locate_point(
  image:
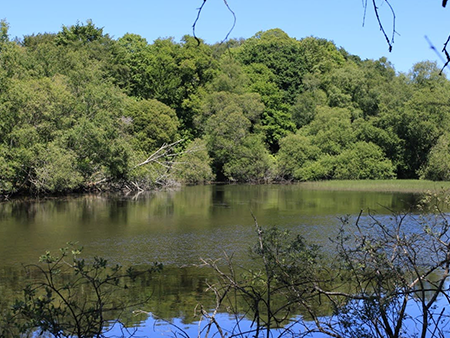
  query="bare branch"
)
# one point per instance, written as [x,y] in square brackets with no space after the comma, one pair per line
[390,41]
[163,151]
[445,51]
[234,21]
[199,11]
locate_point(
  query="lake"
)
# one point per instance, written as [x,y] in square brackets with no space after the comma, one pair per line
[176,228]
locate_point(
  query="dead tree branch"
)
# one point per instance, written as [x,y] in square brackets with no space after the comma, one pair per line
[389,40]
[199,11]
[165,151]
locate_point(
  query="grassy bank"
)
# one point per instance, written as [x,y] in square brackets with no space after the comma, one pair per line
[379,185]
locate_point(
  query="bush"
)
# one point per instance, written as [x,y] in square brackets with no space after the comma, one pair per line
[55,169]
[295,151]
[250,162]
[194,165]
[363,161]
[438,164]
[69,296]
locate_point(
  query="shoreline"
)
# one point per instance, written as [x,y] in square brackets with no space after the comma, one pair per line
[391,186]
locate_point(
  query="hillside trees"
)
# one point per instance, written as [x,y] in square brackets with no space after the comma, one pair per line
[194,165]
[329,148]
[78,108]
[237,153]
[65,126]
[167,71]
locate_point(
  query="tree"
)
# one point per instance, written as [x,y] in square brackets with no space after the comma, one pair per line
[152,123]
[169,72]
[250,162]
[423,118]
[4,37]
[364,161]
[331,130]
[231,76]
[79,33]
[388,36]
[194,165]
[437,167]
[55,170]
[224,134]
[134,54]
[281,54]
[295,151]
[276,120]
[237,152]
[303,111]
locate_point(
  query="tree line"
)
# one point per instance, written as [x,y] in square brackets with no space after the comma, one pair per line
[80,110]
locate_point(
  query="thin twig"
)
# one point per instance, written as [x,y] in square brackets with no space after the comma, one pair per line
[234,21]
[375,8]
[199,11]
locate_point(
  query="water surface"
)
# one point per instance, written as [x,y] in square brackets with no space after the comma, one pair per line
[176,228]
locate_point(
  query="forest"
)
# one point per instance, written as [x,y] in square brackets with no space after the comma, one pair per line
[82,111]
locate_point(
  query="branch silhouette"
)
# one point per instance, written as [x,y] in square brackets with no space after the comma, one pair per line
[199,11]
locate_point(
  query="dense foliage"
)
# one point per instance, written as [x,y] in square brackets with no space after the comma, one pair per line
[80,110]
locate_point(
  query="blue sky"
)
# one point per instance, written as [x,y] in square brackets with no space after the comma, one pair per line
[339,21]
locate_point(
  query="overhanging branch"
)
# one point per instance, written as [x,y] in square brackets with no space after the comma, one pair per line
[199,11]
[389,40]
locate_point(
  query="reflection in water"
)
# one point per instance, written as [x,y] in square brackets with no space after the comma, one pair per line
[175,228]
[178,227]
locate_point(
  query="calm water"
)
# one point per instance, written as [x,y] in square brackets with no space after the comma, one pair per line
[175,228]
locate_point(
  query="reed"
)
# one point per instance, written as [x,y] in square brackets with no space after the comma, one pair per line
[413,186]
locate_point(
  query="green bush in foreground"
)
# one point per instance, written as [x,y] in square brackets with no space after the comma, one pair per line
[69,296]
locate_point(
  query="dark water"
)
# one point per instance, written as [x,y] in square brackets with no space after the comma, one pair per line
[176,228]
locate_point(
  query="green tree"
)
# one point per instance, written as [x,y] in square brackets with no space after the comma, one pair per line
[79,33]
[281,54]
[249,104]
[55,170]
[295,151]
[224,134]
[231,76]
[152,123]
[303,111]
[92,44]
[331,130]
[194,165]
[437,167]
[250,162]
[169,72]
[321,55]
[134,54]
[276,121]
[423,119]
[229,122]
[363,161]
[4,36]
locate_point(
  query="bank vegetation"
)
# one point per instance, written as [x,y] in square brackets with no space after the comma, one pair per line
[81,111]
